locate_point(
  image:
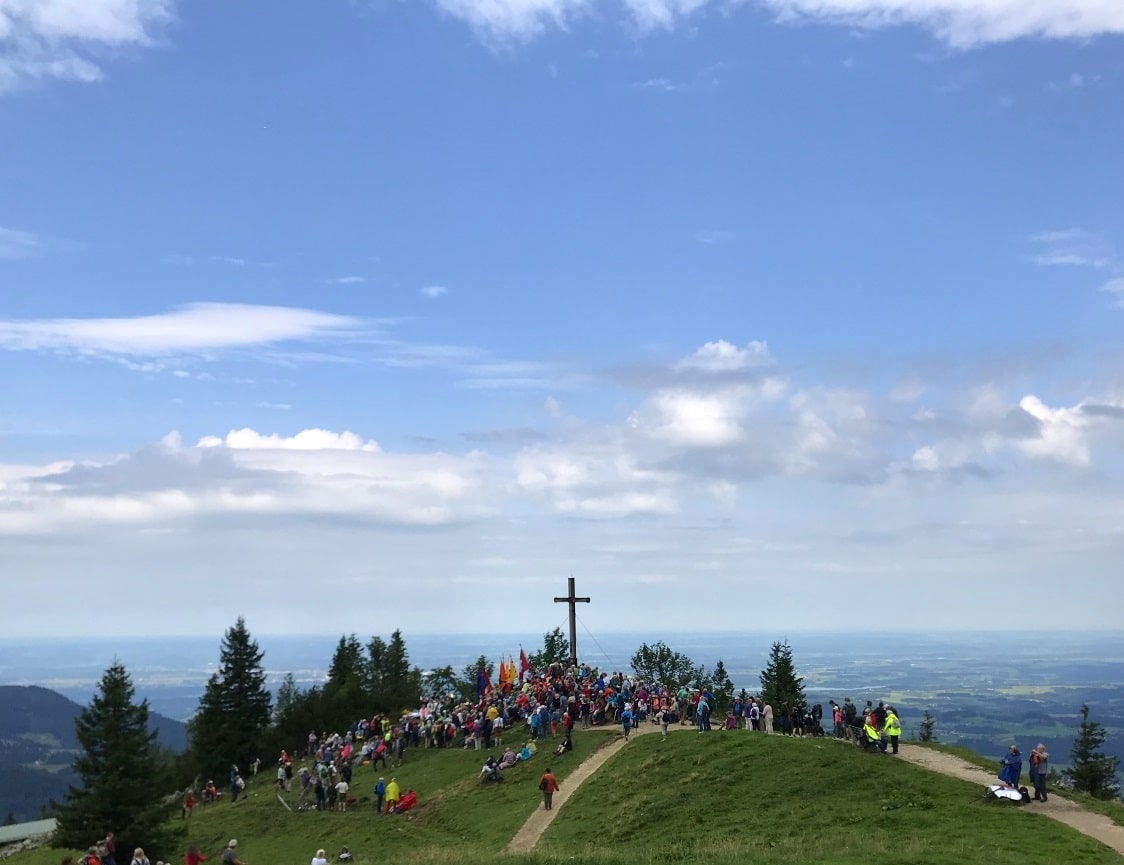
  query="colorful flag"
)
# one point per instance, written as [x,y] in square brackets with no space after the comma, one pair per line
[483,683]
[503,671]
[511,675]
[524,664]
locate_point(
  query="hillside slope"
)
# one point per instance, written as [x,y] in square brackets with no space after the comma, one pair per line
[38,745]
[724,798]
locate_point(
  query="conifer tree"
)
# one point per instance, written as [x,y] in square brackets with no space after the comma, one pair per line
[401,683]
[779,682]
[722,687]
[346,692]
[234,710]
[119,769]
[1091,770]
[926,732]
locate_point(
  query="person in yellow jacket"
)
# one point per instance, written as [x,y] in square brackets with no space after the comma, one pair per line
[892,728]
[871,737]
[393,794]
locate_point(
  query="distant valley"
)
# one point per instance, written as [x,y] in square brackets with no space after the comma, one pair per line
[38,746]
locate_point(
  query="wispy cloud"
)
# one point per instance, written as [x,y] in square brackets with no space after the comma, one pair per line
[959,23]
[1074,247]
[13,243]
[663,85]
[347,280]
[48,40]
[434,291]
[714,236]
[1115,287]
[192,329]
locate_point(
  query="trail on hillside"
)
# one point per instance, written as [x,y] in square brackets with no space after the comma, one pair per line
[1086,822]
[531,831]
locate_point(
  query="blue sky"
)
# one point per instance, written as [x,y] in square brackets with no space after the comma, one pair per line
[727,308]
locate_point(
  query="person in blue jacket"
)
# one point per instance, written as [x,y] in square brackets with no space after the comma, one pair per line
[380,795]
[626,719]
[1012,768]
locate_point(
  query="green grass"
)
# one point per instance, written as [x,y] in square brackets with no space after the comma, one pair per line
[1113,809]
[726,799]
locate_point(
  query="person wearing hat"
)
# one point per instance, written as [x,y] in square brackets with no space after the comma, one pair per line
[392,796]
[229,857]
[380,795]
[892,728]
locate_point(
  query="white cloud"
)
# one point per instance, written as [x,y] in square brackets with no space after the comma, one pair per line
[722,356]
[305,440]
[1061,436]
[347,280]
[18,244]
[61,39]
[434,291]
[698,420]
[714,236]
[1072,247]
[966,23]
[190,329]
[1115,287]
[960,23]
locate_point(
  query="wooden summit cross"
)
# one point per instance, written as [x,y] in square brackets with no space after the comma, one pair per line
[573,601]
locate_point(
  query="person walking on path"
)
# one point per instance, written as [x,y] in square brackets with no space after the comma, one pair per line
[626,719]
[767,718]
[892,728]
[1039,768]
[549,786]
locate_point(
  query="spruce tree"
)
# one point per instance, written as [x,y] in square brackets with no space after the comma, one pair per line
[779,683]
[119,769]
[345,691]
[926,732]
[722,687]
[1091,770]
[234,710]
[401,683]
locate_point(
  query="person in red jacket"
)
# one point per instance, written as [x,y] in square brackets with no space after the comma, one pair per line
[193,856]
[549,786]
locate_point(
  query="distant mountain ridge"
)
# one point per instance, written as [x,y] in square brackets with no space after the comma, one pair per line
[38,746]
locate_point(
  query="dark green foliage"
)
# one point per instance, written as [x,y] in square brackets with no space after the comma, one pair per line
[287,697]
[925,732]
[722,688]
[401,684]
[1091,770]
[659,664]
[346,691]
[234,711]
[440,683]
[10,819]
[779,683]
[555,650]
[119,771]
[466,685]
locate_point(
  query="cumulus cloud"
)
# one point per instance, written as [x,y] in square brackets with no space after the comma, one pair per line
[190,329]
[434,291]
[63,40]
[722,356]
[245,476]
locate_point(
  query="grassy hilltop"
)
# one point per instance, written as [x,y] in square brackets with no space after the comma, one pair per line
[727,798]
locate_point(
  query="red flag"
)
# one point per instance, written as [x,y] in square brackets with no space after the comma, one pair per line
[524,664]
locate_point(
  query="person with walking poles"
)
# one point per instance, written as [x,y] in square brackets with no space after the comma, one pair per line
[549,785]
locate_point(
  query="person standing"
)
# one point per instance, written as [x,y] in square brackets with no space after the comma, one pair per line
[1039,769]
[393,794]
[109,845]
[767,718]
[139,858]
[892,728]
[661,717]
[549,786]
[626,720]
[380,795]
[320,858]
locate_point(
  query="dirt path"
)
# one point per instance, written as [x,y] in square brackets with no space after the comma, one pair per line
[531,831]
[1056,808]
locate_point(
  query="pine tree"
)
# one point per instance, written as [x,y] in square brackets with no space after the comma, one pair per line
[925,732]
[234,710]
[402,684]
[346,689]
[120,773]
[779,682]
[722,687]
[1091,770]
[288,697]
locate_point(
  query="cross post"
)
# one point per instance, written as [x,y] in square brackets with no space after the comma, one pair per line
[573,601]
